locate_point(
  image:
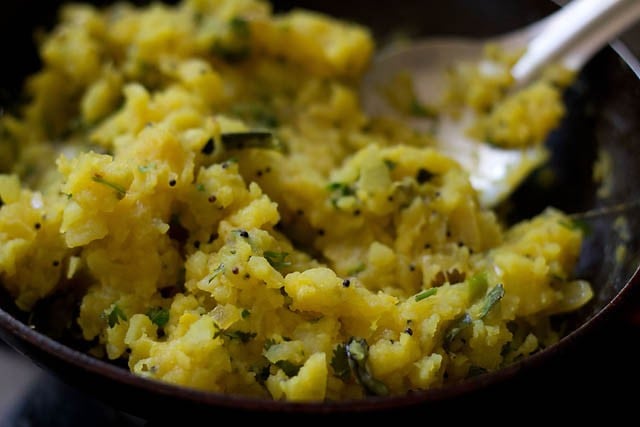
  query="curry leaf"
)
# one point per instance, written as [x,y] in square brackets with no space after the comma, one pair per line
[340,362]
[357,354]
[492,299]
[460,324]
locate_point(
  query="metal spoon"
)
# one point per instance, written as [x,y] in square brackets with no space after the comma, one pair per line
[570,36]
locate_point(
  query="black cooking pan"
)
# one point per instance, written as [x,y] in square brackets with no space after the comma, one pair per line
[604,108]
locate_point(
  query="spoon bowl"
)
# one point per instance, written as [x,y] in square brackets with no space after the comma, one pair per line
[570,37]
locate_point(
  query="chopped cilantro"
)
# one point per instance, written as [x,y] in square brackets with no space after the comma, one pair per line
[115,316]
[277,259]
[357,351]
[342,188]
[290,369]
[262,373]
[159,316]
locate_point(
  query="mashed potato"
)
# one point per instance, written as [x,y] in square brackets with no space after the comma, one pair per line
[205,176]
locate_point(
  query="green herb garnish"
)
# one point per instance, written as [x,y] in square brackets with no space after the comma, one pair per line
[460,323]
[120,191]
[357,351]
[426,294]
[262,372]
[340,362]
[251,139]
[342,188]
[277,259]
[290,369]
[245,313]
[159,316]
[242,336]
[492,299]
[115,316]
[219,269]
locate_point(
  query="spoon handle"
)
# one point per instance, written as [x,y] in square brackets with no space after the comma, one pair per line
[574,34]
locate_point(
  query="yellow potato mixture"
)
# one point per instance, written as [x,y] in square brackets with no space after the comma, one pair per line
[204,178]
